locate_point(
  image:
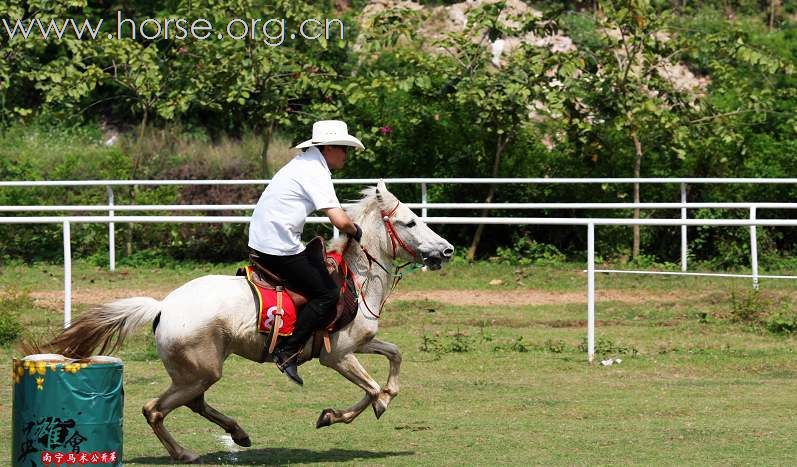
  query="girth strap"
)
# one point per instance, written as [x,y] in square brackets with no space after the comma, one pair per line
[277,321]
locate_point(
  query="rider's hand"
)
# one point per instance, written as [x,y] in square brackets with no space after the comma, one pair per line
[358,233]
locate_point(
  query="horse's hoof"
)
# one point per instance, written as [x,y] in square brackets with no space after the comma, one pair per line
[379,408]
[325,419]
[243,441]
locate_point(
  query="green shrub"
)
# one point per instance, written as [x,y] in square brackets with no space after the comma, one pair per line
[644,261]
[729,248]
[10,327]
[516,345]
[460,343]
[526,251]
[555,346]
[429,344]
[607,346]
[784,322]
[457,342]
[760,313]
[153,258]
[749,308]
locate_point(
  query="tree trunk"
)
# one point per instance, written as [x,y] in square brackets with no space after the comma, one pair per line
[499,149]
[774,6]
[3,109]
[143,124]
[264,154]
[637,174]
[129,231]
[134,190]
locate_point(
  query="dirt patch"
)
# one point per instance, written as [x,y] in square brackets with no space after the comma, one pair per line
[54,299]
[537,297]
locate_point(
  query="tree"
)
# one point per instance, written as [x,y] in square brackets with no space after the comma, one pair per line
[498,92]
[632,86]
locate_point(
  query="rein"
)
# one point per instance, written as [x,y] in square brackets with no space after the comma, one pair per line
[397,275]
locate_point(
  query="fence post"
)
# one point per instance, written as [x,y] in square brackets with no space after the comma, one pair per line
[590,292]
[424,200]
[754,248]
[67,275]
[684,247]
[111,234]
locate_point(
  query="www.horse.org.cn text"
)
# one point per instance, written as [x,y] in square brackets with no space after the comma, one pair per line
[270,31]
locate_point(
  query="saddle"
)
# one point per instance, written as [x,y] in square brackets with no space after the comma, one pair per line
[278,320]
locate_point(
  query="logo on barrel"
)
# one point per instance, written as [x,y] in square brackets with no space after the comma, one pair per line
[50,433]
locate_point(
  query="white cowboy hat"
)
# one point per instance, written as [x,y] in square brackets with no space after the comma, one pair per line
[331,132]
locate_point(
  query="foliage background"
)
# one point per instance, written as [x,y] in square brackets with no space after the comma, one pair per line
[427,98]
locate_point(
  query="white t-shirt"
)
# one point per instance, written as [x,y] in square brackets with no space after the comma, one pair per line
[302,186]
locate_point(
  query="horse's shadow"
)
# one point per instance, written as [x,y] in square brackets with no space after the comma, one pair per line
[279,456]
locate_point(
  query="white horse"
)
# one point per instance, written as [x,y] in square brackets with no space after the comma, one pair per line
[207,319]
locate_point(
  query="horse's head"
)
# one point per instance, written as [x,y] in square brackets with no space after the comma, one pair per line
[398,231]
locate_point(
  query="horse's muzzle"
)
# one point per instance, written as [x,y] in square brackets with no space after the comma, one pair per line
[435,260]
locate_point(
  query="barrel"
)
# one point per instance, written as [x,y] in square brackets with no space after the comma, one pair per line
[67,411]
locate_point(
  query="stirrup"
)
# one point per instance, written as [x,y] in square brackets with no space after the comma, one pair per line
[288,360]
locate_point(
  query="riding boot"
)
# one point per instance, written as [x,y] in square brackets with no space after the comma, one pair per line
[288,349]
[286,362]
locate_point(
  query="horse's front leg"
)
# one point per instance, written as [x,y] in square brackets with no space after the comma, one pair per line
[391,389]
[348,366]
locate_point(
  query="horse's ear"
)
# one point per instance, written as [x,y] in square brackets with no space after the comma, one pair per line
[380,189]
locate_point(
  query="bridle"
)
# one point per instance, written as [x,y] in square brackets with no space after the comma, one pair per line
[395,242]
[391,232]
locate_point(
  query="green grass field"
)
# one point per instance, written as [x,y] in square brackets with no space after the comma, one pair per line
[702,381]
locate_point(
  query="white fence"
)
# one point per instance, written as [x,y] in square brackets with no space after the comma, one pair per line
[424,204]
[590,223]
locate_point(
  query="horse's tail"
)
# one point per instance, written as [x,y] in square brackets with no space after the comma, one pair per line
[105,327]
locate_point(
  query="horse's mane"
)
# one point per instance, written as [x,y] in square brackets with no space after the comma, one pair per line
[366,214]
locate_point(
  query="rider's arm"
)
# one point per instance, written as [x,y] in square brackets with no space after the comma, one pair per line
[341,220]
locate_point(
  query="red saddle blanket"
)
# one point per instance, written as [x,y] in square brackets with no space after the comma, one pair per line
[266,307]
[266,299]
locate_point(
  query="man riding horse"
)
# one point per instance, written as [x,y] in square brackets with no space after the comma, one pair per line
[302,186]
[204,321]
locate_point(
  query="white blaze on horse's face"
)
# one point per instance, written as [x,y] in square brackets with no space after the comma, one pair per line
[423,243]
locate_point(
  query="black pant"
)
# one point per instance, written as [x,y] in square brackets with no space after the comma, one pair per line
[310,279]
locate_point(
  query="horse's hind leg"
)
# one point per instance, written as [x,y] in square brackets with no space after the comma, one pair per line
[229,425]
[193,370]
[351,369]
[391,389]
[156,410]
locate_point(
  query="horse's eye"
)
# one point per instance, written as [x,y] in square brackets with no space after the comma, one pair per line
[411,224]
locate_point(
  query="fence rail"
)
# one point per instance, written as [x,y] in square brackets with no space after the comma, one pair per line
[447,206]
[431,180]
[429,220]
